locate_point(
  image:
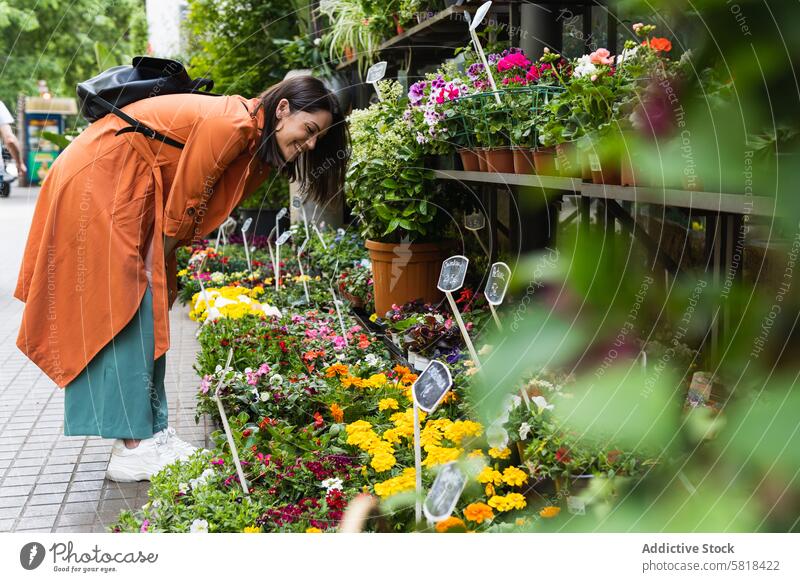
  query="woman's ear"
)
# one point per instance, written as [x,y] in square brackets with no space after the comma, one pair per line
[281,112]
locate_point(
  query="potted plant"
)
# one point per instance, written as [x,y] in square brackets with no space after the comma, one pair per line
[396,201]
[264,204]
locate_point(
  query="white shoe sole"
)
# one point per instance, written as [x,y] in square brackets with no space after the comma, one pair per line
[125,477]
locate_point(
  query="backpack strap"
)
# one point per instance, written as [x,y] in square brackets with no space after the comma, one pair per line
[135,125]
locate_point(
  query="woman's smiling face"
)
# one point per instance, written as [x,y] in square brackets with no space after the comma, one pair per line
[297,132]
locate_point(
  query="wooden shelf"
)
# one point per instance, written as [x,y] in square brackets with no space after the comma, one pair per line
[703,201]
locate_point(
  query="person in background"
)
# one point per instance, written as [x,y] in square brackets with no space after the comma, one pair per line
[8,139]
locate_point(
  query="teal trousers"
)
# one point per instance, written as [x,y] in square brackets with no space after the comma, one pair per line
[120,394]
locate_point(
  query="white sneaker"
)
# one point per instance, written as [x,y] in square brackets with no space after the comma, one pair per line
[177,448]
[139,464]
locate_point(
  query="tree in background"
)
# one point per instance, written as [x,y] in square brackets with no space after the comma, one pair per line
[65,42]
[241,44]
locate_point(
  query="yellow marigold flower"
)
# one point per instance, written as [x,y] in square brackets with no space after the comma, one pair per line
[430,437]
[392,436]
[251,529]
[500,454]
[449,397]
[406,481]
[376,381]
[358,426]
[336,412]
[478,512]
[489,475]
[514,476]
[440,456]
[373,318]
[549,511]
[313,530]
[348,381]
[489,490]
[388,404]
[462,429]
[183,272]
[383,462]
[516,500]
[451,523]
[475,454]
[507,503]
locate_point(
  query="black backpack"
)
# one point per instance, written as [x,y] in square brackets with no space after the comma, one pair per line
[147,77]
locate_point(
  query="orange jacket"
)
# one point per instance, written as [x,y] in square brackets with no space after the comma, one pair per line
[82,276]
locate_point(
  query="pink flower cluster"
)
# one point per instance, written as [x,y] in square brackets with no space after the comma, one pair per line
[601,56]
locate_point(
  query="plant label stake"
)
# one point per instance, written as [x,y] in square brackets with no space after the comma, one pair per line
[221,232]
[339,315]
[319,236]
[496,287]
[451,278]
[300,250]
[277,263]
[374,74]
[245,228]
[475,23]
[475,222]
[226,426]
[297,204]
[428,391]
[445,492]
[278,243]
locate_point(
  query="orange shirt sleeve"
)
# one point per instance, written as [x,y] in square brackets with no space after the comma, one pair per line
[212,145]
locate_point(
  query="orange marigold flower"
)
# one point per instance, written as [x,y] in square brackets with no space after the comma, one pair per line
[336,412]
[401,370]
[549,511]
[336,369]
[451,523]
[478,512]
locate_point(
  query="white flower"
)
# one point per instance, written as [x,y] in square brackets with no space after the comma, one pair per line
[217,278]
[439,318]
[540,402]
[524,431]
[485,349]
[497,436]
[264,396]
[202,479]
[183,488]
[584,67]
[627,54]
[317,41]
[332,483]
[517,400]
[371,360]
[276,380]
[269,310]
[254,392]
[199,526]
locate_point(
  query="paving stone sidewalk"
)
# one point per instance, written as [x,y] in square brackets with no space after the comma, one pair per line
[49,482]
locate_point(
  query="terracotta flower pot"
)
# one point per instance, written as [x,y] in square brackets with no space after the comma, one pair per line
[545,161]
[627,171]
[405,272]
[469,159]
[482,165]
[605,170]
[523,161]
[586,167]
[500,160]
[569,164]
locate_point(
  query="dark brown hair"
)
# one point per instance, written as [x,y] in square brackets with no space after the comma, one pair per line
[320,171]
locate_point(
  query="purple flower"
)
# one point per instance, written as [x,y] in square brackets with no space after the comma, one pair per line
[474,71]
[438,82]
[417,92]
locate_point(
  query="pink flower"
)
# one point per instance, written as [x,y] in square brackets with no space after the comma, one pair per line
[513,60]
[594,78]
[312,333]
[339,342]
[145,525]
[601,57]
[263,369]
[637,27]
[205,384]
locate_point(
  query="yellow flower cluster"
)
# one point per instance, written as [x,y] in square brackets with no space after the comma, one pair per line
[514,476]
[230,302]
[507,503]
[489,475]
[360,434]
[251,529]
[459,430]
[388,404]
[440,456]
[549,511]
[403,426]
[405,481]
[500,453]
[347,380]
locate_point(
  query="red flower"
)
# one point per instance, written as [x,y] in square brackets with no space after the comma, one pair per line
[659,44]
[562,455]
[223,342]
[247,432]
[466,296]
[319,422]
